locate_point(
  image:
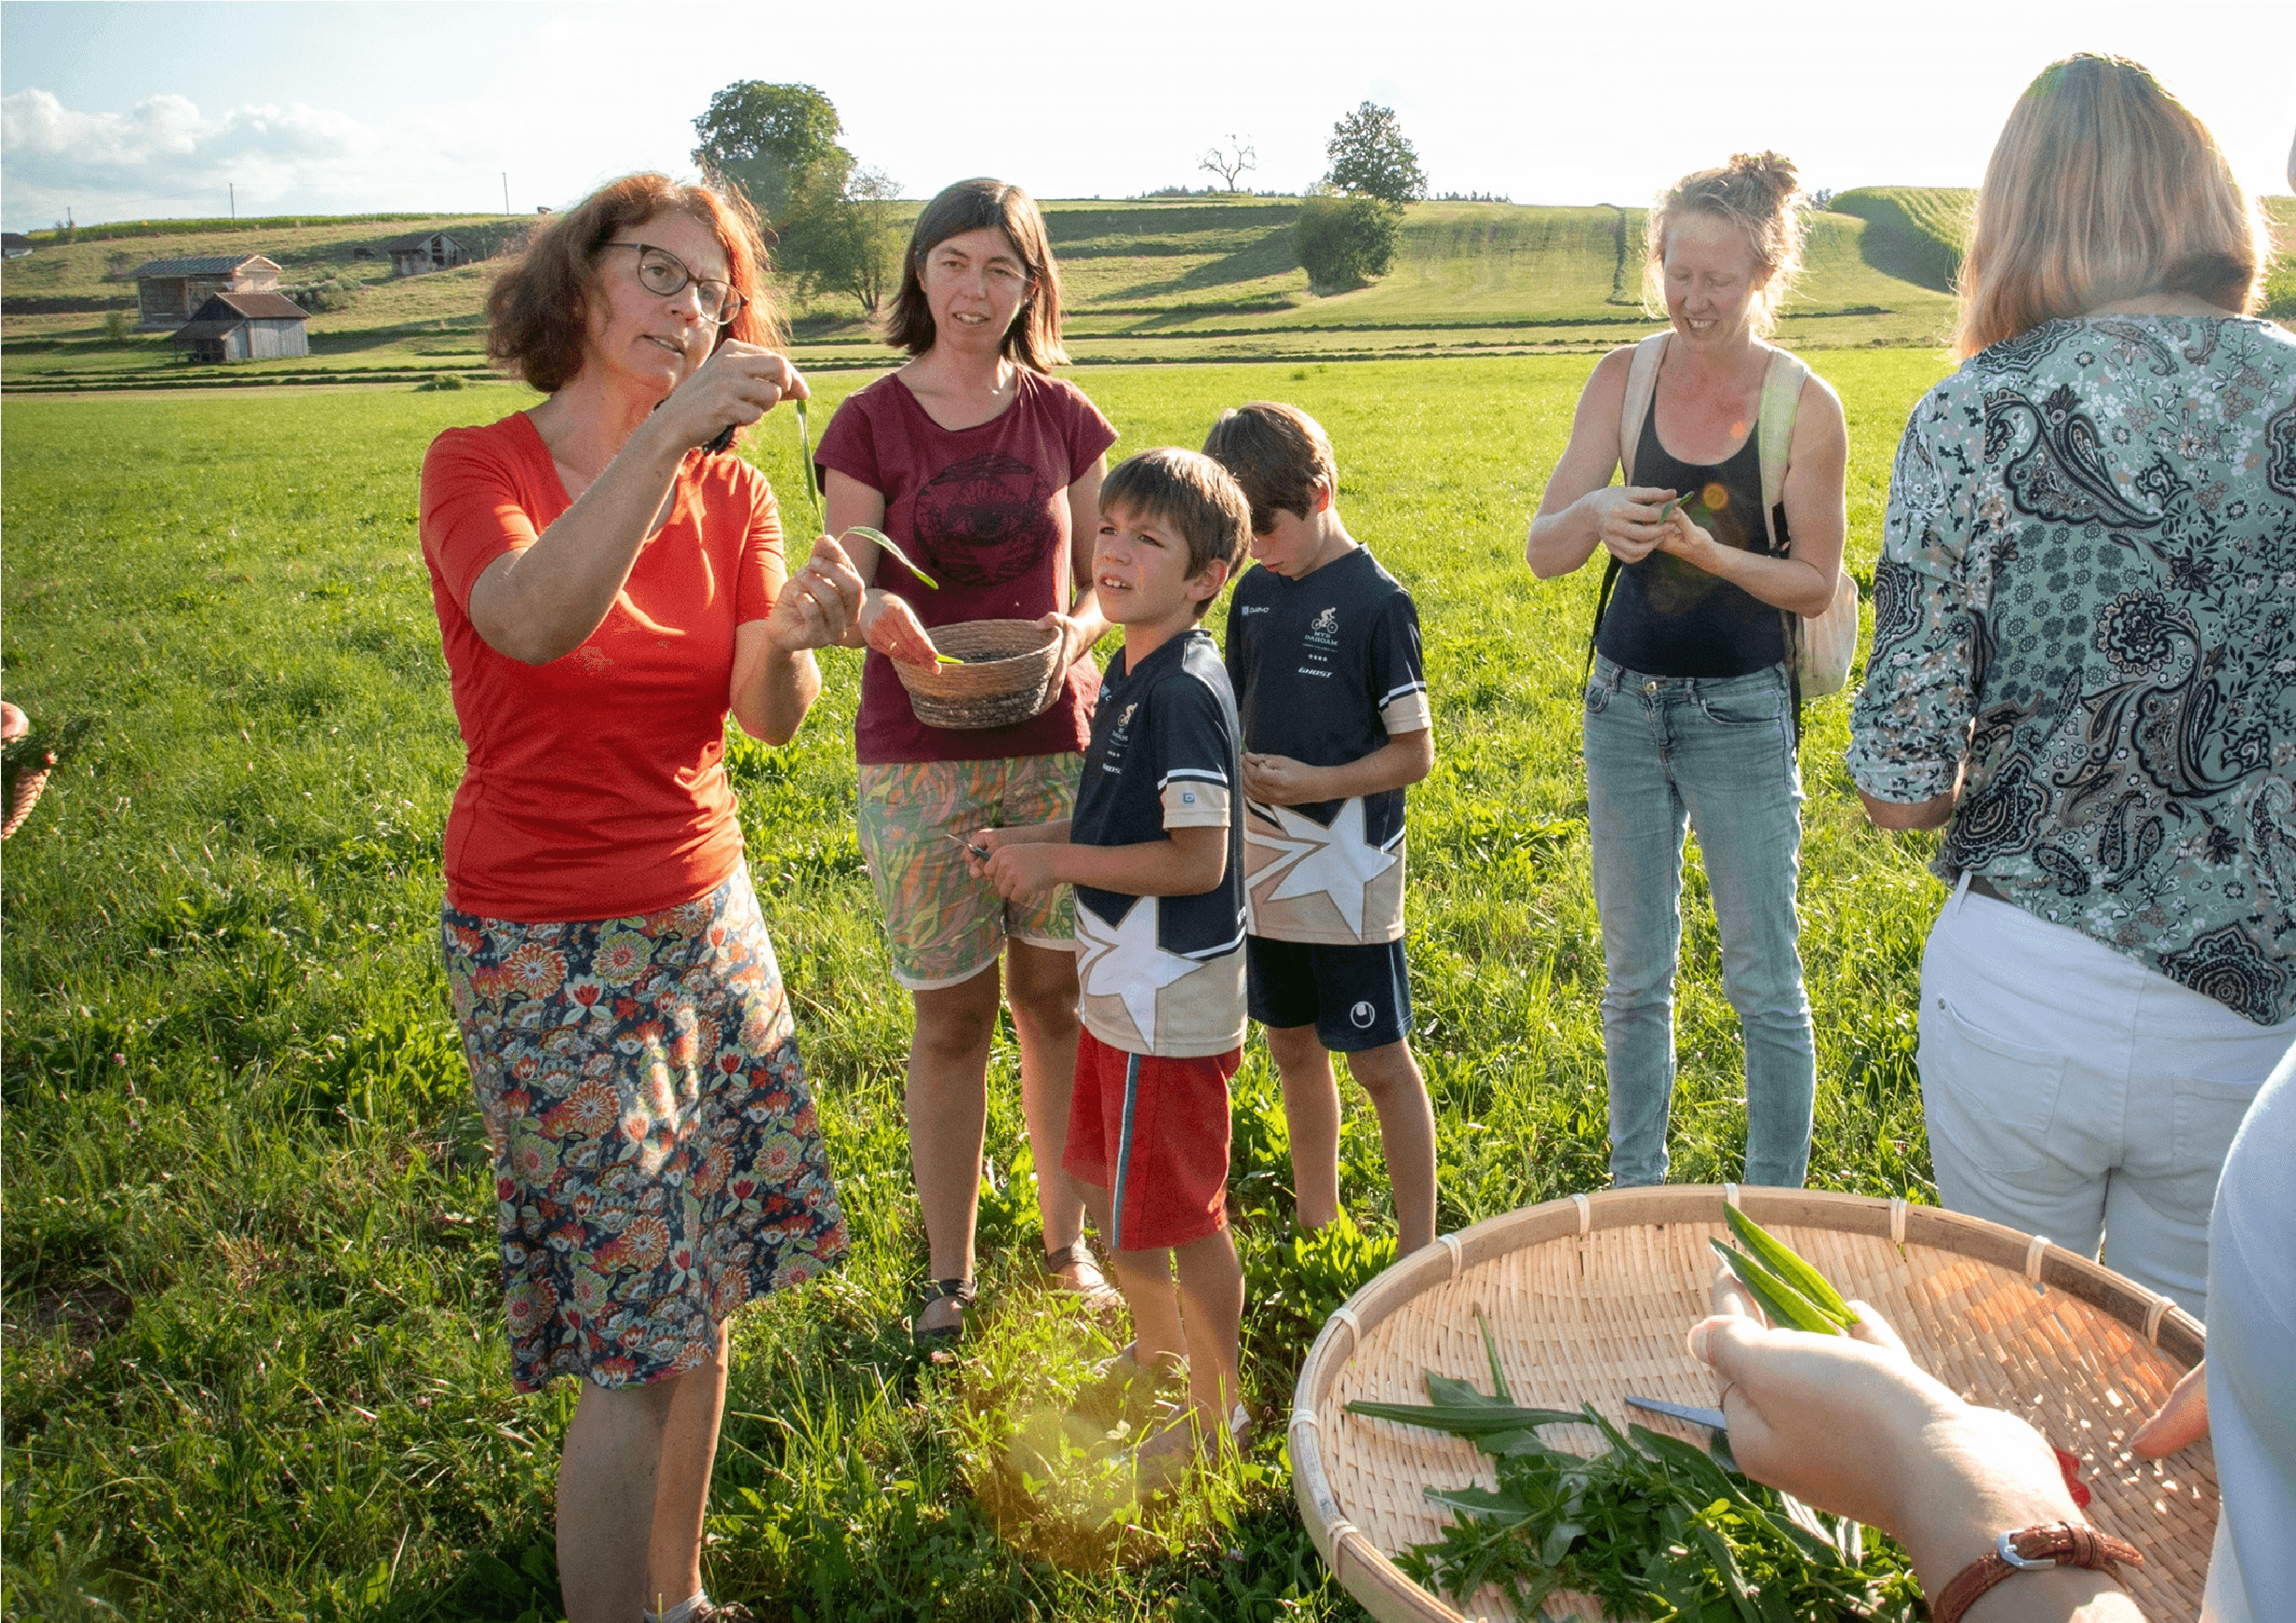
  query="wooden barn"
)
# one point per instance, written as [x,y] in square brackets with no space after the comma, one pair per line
[167,290]
[428,251]
[247,326]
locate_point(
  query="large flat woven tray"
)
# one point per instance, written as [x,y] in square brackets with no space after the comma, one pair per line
[1590,1298]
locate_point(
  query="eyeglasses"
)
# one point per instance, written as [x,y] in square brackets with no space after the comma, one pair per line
[662,272]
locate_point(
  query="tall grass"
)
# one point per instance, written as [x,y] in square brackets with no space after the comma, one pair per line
[255,1362]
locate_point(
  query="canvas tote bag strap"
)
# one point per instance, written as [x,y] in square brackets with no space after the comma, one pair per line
[1781,397]
[1642,383]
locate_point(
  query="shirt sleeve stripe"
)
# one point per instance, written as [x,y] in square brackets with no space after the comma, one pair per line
[1201,775]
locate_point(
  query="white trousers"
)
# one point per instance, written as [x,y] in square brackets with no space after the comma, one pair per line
[2071,1092]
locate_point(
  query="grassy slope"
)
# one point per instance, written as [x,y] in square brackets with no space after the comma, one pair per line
[1166,281]
[1917,233]
[253,1364]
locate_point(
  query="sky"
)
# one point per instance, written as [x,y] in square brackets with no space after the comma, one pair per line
[136,111]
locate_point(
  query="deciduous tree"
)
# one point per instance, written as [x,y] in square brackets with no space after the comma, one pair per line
[1344,241]
[1370,158]
[778,142]
[1230,163]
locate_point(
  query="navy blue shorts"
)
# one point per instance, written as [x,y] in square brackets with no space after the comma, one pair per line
[1357,998]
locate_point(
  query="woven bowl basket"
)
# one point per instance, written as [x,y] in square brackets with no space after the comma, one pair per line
[1589,1298]
[1011,673]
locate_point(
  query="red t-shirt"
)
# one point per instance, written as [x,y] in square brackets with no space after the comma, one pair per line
[595,786]
[985,511]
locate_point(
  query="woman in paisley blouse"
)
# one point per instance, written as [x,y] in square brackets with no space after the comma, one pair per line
[2083,670]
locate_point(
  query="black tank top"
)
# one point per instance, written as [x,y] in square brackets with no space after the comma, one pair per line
[1666,617]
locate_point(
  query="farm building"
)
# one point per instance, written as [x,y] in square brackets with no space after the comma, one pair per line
[13,246]
[430,251]
[167,290]
[247,326]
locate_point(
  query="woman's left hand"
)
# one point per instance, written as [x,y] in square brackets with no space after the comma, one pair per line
[1074,643]
[1693,543]
[820,603]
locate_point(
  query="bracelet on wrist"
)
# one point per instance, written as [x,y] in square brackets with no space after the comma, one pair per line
[2032,1549]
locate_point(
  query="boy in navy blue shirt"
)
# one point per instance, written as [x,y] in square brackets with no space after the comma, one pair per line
[1323,647]
[1155,853]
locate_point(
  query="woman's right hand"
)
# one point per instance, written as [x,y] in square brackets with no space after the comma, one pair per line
[889,623]
[735,386]
[1851,1424]
[1627,520]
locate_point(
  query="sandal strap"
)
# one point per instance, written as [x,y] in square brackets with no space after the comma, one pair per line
[963,1292]
[1077,1252]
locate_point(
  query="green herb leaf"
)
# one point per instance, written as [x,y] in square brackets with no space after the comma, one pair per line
[1490,1351]
[1783,1261]
[888,545]
[1482,1417]
[1780,1302]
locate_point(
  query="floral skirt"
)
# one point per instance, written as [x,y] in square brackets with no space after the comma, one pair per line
[656,1158]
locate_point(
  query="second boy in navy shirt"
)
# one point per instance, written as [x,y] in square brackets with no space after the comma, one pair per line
[1322,646]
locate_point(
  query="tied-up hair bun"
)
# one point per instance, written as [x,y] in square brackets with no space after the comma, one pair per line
[1760,194]
[1771,172]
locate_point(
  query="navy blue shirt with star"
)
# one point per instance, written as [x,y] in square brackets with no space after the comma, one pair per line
[1328,669]
[1162,975]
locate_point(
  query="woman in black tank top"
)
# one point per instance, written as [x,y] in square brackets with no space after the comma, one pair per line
[1688,706]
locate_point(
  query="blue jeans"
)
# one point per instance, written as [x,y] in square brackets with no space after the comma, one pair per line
[1717,754]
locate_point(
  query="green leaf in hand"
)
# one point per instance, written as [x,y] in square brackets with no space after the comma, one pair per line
[1780,1302]
[1782,1260]
[887,544]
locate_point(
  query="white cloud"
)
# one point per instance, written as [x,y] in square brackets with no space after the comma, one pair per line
[166,156]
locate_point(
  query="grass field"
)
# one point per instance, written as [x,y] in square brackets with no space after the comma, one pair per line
[253,1351]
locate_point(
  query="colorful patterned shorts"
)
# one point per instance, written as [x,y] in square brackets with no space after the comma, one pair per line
[656,1159]
[945,925]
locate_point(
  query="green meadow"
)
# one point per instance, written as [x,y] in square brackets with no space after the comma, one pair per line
[253,1351]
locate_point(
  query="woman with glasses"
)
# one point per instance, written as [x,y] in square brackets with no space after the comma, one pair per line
[987,472]
[607,592]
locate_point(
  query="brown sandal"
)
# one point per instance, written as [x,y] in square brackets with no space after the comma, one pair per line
[1075,1270]
[936,1342]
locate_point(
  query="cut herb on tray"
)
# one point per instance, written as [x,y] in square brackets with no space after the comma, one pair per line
[1652,1527]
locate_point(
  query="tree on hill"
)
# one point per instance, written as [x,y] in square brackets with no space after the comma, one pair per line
[1230,161]
[1370,158]
[1344,241]
[836,224]
[775,141]
[849,243]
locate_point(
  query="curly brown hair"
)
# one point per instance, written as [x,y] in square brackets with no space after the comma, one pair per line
[984,204]
[538,313]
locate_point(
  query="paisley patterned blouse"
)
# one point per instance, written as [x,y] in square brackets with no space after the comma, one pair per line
[2087,590]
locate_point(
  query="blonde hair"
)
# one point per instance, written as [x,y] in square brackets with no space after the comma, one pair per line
[2104,187]
[1756,192]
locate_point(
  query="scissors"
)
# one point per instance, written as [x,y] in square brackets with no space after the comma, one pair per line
[1713,1419]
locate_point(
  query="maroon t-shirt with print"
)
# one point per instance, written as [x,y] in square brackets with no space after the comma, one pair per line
[985,511]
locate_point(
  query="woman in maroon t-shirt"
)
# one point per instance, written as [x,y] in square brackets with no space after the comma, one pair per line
[987,472]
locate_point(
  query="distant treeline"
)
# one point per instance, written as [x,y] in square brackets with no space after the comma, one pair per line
[125,228]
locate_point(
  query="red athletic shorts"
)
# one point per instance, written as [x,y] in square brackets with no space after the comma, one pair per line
[1154,1133]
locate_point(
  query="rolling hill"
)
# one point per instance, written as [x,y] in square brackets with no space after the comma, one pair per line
[1145,280]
